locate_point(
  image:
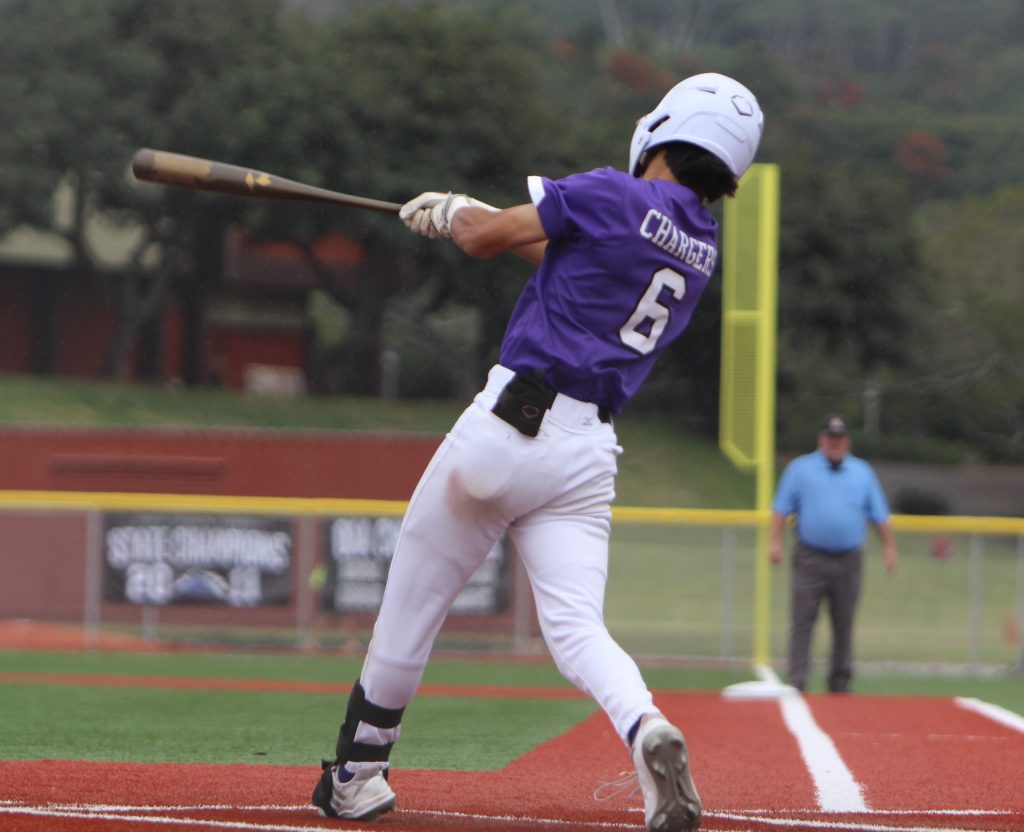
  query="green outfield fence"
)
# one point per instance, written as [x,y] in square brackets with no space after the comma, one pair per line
[681,585]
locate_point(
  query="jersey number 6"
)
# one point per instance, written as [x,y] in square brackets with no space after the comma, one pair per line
[644,327]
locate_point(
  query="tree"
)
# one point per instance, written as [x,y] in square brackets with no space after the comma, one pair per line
[972,365]
[850,289]
[85,85]
[410,98]
[387,101]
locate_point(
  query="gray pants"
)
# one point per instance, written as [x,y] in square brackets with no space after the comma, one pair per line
[821,576]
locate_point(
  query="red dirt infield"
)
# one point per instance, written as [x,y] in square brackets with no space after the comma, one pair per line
[919,764]
[29,634]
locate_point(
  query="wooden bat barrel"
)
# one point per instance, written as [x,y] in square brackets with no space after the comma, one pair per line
[207,175]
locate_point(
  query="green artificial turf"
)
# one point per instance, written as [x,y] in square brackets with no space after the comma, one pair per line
[108,722]
[42,720]
[214,664]
[340,669]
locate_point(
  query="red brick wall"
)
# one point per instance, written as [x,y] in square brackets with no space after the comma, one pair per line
[43,552]
[239,463]
[42,559]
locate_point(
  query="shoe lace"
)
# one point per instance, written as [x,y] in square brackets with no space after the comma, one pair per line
[614,788]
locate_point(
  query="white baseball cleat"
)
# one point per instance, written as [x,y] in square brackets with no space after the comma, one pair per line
[364,795]
[671,802]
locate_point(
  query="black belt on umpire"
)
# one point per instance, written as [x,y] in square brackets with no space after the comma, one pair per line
[817,550]
[524,401]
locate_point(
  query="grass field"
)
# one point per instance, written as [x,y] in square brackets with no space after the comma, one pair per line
[74,720]
[674,591]
[124,706]
[35,400]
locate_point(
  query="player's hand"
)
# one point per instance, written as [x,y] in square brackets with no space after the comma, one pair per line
[430,214]
[416,214]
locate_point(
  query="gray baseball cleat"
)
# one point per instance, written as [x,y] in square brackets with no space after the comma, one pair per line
[671,802]
[362,795]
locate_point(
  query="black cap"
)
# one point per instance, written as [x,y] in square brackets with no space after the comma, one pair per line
[835,425]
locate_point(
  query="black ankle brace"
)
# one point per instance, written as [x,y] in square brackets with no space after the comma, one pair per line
[360,709]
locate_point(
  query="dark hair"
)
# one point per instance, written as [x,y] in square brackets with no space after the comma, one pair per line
[699,169]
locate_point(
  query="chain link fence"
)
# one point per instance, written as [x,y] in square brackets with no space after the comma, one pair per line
[308,574]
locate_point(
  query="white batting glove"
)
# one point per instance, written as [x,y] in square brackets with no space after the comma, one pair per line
[416,214]
[430,214]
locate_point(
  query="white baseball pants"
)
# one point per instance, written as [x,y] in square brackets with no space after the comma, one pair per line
[552,494]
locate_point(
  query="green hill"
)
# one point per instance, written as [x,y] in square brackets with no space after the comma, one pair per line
[661,466]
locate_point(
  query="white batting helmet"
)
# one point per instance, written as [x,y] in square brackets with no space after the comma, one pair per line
[709,110]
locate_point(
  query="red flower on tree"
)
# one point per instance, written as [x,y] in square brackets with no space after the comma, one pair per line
[923,154]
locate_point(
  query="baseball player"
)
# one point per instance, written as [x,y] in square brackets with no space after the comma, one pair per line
[622,260]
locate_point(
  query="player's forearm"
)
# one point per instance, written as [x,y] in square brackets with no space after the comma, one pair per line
[484,234]
[532,252]
[473,230]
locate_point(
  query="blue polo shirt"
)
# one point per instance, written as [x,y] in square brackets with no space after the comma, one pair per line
[832,507]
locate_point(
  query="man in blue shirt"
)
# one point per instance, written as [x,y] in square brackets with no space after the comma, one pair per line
[834,495]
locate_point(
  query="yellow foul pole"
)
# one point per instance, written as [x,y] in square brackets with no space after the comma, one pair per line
[749,326]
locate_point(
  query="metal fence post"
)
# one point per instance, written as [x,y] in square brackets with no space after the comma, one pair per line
[1020,599]
[305,529]
[977,555]
[92,601]
[728,645]
[150,622]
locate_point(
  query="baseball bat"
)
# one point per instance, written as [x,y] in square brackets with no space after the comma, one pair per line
[207,175]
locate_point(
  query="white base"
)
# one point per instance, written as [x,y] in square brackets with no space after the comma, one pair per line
[759,690]
[767,686]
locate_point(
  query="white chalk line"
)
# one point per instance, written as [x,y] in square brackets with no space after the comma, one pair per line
[893,812]
[834,783]
[137,819]
[141,807]
[900,735]
[298,807]
[760,817]
[851,826]
[836,788]
[993,712]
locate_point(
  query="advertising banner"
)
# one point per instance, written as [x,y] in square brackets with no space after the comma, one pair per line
[359,551]
[161,559]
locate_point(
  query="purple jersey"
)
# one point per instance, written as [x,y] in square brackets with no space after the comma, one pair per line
[626,264]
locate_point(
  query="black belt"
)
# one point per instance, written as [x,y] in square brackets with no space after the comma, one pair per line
[830,552]
[524,401]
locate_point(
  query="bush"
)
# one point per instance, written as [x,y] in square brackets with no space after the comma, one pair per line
[919,501]
[906,448]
